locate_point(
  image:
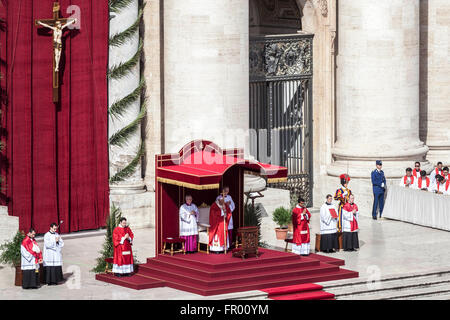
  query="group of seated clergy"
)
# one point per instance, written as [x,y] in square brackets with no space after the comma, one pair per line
[438,181]
[220,221]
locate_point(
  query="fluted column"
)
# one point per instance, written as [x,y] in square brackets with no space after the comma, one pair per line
[435,79]
[120,87]
[377,114]
[206,80]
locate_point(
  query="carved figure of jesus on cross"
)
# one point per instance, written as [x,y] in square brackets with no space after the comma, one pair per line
[56,24]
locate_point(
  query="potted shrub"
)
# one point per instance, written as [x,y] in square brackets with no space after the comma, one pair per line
[10,254]
[283,218]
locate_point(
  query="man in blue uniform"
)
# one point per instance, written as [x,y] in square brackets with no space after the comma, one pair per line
[379,187]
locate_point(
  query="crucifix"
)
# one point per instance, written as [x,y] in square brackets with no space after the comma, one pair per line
[56,24]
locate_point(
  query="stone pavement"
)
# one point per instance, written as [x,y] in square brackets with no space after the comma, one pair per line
[387,248]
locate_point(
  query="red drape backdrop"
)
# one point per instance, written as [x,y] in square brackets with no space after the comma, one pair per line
[57,155]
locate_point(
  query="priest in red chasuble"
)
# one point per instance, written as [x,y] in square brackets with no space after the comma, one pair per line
[219,218]
[123,254]
[300,223]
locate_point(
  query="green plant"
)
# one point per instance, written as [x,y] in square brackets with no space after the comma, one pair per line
[11,250]
[282,217]
[253,217]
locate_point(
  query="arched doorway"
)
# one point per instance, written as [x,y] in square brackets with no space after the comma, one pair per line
[281,91]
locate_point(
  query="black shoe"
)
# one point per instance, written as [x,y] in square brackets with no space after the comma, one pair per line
[118,275]
[374,218]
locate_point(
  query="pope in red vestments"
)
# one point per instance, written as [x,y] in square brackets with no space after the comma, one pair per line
[219,225]
[300,223]
[123,253]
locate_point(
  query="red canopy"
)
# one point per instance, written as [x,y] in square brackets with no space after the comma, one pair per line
[200,169]
[203,169]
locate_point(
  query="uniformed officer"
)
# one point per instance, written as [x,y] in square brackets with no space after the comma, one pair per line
[379,187]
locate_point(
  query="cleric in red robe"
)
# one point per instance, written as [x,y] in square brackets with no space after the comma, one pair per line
[123,254]
[219,225]
[300,223]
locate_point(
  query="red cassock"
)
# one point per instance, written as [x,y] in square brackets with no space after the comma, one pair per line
[27,243]
[216,222]
[300,226]
[123,254]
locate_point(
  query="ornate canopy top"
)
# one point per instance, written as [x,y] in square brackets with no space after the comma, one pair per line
[201,164]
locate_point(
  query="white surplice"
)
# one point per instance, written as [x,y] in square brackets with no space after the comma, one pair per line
[411,180]
[52,250]
[188,221]
[328,224]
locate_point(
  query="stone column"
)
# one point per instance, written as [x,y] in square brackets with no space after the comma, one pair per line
[377,112]
[206,79]
[129,195]
[377,95]
[152,72]
[121,156]
[435,79]
[9,225]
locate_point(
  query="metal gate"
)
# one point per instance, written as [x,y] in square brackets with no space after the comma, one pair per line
[281,107]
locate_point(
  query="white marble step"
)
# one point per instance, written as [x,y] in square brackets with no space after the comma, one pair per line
[442,296]
[391,289]
[413,293]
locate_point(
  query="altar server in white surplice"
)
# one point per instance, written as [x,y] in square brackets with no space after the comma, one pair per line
[439,185]
[229,201]
[350,212]
[436,171]
[188,224]
[53,243]
[328,226]
[31,257]
[416,171]
[423,182]
[408,181]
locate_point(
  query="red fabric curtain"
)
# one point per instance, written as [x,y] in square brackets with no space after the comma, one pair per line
[57,154]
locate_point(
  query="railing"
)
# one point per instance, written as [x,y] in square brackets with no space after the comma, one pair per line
[281,107]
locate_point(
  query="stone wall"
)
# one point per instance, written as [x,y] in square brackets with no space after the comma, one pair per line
[8,225]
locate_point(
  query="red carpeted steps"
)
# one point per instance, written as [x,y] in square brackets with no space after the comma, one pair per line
[308,291]
[327,259]
[136,281]
[213,274]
